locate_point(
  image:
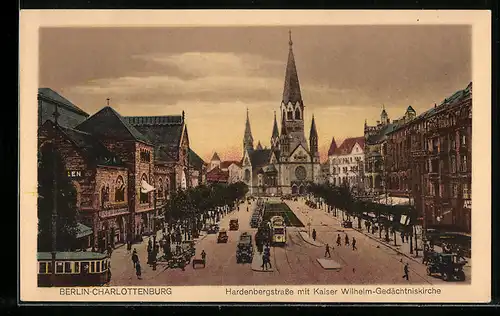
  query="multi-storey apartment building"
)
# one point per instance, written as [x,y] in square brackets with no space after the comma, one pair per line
[429,161]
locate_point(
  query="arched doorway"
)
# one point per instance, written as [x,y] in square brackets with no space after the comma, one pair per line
[301,189]
[294,189]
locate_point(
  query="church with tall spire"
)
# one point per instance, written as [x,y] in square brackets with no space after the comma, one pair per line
[291,163]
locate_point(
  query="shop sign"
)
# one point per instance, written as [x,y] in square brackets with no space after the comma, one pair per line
[75,174]
[113,212]
[467,204]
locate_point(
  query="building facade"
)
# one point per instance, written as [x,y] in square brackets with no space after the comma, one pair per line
[346,162]
[291,163]
[430,162]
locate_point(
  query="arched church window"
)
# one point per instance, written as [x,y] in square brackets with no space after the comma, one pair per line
[119,190]
[289,115]
[297,114]
[247,175]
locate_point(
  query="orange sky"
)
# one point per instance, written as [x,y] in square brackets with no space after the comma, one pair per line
[214,74]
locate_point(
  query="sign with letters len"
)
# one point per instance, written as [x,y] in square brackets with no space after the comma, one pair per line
[75,174]
[467,204]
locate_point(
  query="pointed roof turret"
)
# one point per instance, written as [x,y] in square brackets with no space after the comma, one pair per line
[259,146]
[215,157]
[275,127]
[283,126]
[248,130]
[313,132]
[291,90]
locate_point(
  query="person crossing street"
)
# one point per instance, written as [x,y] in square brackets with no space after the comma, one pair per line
[346,240]
[339,240]
[327,251]
[354,244]
[406,271]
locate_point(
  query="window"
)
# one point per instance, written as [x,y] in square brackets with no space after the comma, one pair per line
[247,175]
[67,267]
[104,195]
[144,197]
[49,267]
[466,194]
[59,267]
[77,267]
[289,115]
[464,164]
[160,188]
[464,139]
[104,265]
[453,164]
[297,114]
[119,190]
[42,267]
[455,190]
[92,267]
[98,266]
[145,156]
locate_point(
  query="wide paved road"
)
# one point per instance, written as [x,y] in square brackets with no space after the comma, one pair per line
[293,264]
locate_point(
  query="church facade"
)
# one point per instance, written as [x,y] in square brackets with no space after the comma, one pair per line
[292,162]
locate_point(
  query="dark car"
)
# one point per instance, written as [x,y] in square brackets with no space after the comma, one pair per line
[222,237]
[233,224]
[213,229]
[244,250]
[347,224]
[449,266]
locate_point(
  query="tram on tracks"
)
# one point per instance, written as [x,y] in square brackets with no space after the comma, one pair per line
[74,269]
[278,231]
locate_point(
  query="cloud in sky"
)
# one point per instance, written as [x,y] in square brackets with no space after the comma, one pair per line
[346,73]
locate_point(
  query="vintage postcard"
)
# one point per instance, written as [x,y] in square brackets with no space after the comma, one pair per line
[255,156]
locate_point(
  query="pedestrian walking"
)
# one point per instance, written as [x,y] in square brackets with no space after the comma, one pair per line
[203,256]
[314,234]
[138,270]
[406,271]
[135,257]
[346,240]
[339,240]
[264,261]
[354,244]
[129,246]
[327,251]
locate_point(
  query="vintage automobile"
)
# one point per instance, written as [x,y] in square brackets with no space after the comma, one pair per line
[222,237]
[213,229]
[450,266]
[233,224]
[244,250]
[347,224]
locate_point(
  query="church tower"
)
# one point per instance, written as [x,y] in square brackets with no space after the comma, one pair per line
[275,135]
[313,142]
[384,118]
[247,138]
[284,141]
[292,107]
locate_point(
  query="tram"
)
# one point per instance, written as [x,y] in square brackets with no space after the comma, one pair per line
[278,230]
[74,269]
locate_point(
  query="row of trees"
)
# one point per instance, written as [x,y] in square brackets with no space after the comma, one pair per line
[387,217]
[190,207]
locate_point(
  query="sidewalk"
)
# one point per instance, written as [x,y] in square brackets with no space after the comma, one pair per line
[309,240]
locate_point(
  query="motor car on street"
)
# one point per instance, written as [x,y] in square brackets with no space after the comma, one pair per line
[233,224]
[449,266]
[222,237]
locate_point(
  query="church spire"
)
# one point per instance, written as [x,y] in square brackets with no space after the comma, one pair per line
[313,132]
[313,141]
[275,127]
[291,90]
[247,138]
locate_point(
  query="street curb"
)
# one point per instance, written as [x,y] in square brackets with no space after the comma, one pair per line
[307,241]
[396,250]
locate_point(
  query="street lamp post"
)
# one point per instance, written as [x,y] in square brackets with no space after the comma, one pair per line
[54,196]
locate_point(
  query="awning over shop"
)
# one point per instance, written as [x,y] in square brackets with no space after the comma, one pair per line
[83,231]
[392,200]
[146,187]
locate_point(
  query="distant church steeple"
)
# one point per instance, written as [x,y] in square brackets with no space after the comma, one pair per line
[313,139]
[275,135]
[247,138]
[291,90]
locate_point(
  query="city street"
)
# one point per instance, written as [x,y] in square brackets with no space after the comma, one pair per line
[371,263]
